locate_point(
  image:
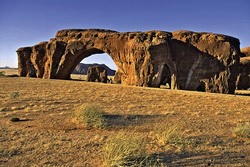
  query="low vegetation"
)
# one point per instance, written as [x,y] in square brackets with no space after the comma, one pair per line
[14,95]
[131,149]
[165,134]
[90,116]
[133,127]
[128,149]
[243,130]
[2,73]
[124,149]
[15,119]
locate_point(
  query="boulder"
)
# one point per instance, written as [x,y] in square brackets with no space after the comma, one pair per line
[183,59]
[97,74]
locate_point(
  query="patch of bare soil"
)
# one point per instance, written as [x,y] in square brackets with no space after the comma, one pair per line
[46,135]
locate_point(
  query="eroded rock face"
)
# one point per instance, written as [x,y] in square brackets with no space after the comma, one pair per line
[243,80]
[219,59]
[97,74]
[183,59]
[118,77]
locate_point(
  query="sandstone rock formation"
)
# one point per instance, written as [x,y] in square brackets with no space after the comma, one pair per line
[183,59]
[246,51]
[118,77]
[97,74]
[243,80]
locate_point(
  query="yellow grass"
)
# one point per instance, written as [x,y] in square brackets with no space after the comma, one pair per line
[90,116]
[46,135]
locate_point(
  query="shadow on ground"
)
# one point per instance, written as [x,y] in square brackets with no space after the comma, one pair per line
[128,120]
[203,159]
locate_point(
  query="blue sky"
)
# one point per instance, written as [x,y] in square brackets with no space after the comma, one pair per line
[28,22]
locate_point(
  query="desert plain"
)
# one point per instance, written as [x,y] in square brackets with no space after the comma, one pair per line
[47,136]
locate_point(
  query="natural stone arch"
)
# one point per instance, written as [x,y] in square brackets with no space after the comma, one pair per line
[128,51]
[141,57]
[71,59]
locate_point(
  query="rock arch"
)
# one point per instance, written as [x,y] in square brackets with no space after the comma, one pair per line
[143,58]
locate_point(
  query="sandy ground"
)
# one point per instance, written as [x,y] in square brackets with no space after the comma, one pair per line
[9,71]
[48,137]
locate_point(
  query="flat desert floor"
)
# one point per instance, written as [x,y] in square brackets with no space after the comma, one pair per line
[47,136]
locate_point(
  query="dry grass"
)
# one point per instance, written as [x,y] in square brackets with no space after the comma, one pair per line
[129,149]
[169,135]
[90,116]
[48,137]
[124,149]
[243,130]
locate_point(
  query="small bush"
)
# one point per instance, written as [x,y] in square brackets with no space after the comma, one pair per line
[164,135]
[2,73]
[14,95]
[124,150]
[15,119]
[90,116]
[243,130]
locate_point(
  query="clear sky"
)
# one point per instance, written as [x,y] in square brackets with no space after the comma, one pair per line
[28,22]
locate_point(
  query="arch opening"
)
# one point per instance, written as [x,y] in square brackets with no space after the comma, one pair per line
[201,87]
[90,59]
[166,77]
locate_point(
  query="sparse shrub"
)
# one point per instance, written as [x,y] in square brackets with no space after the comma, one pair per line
[2,73]
[15,119]
[164,135]
[124,149]
[14,95]
[243,130]
[90,116]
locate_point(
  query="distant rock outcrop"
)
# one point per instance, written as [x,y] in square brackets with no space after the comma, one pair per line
[97,74]
[183,59]
[82,68]
[6,67]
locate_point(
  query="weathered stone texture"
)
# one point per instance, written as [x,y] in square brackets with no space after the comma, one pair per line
[183,59]
[243,80]
[25,66]
[225,49]
[97,74]
[118,77]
